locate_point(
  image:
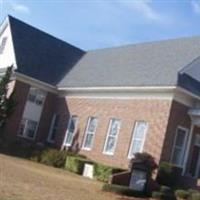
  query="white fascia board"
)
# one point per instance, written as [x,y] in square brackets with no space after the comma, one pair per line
[4,25]
[120,88]
[185,97]
[119,92]
[35,83]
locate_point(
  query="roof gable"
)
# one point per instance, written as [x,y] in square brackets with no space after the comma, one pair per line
[41,55]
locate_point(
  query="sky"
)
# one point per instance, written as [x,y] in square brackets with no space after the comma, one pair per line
[93,24]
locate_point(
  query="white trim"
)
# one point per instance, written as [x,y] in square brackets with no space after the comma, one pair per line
[161,93]
[108,134]
[4,25]
[183,150]
[35,83]
[133,135]
[67,131]
[91,133]
[15,64]
[106,88]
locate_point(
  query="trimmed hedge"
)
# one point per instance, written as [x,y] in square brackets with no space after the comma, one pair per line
[76,164]
[163,196]
[183,194]
[101,172]
[165,189]
[195,196]
[122,190]
[168,174]
[53,157]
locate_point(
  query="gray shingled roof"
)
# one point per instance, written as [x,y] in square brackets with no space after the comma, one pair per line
[40,55]
[147,64]
[44,57]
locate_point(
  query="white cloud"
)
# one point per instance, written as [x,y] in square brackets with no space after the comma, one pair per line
[196,6]
[143,7]
[18,7]
[21,8]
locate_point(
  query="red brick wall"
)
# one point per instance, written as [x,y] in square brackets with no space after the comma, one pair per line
[178,117]
[21,92]
[155,112]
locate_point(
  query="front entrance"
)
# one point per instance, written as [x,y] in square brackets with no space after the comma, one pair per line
[195,161]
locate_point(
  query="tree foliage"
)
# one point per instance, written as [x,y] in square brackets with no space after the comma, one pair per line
[7,103]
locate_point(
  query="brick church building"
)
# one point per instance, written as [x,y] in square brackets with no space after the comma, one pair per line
[107,103]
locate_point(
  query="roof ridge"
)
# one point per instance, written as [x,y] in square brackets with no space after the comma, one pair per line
[147,43]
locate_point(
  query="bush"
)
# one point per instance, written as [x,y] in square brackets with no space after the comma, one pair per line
[165,189]
[195,196]
[163,196]
[53,157]
[103,172]
[157,195]
[122,190]
[192,191]
[144,159]
[76,164]
[168,174]
[182,194]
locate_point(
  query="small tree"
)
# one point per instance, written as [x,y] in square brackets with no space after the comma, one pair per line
[145,160]
[7,103]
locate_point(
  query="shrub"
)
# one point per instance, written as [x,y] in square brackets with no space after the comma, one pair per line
[182,194]
[157,195]
[76,164]
[163,196]
[53,157]
[168,174]
[103,172]
[195,196]
[144,159]
[165,189]
[192,191]
[122,190]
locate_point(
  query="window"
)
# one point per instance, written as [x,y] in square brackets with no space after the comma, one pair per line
[70,130]
[36,96]
[89,133]
[138,138]
[111,138]
[179,146]
[28,128]
[53,128]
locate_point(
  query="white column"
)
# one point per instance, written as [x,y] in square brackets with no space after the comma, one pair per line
[187,151]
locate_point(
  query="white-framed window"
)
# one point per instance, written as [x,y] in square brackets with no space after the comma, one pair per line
[138,138]
[53,128]
[28,128]
[179,146]
[89,133]
[36,96]
[71,129]
[111,138]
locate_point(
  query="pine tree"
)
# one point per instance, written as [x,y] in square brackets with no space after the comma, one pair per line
[7,104]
